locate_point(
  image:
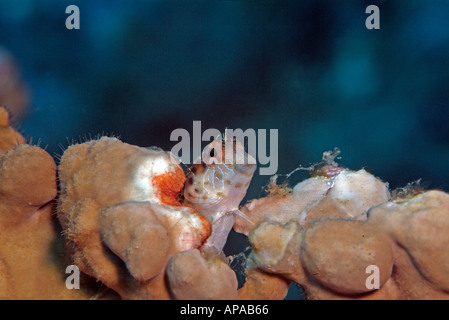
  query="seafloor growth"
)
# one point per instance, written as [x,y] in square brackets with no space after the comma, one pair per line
[9,137]
[121,219]
[13,92]
[32,262]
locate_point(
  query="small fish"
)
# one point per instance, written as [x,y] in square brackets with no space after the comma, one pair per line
[217,183]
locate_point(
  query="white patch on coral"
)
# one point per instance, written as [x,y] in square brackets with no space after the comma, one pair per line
[160,166]
[154,163]
[358,191]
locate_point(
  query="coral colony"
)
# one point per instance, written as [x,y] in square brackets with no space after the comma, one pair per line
[114,220]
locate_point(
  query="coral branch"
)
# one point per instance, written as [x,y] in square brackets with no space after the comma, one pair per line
[125,225]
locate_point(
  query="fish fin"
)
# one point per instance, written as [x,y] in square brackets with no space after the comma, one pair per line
[243,216]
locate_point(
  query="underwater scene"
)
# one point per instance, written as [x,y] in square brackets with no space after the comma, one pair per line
[224,150]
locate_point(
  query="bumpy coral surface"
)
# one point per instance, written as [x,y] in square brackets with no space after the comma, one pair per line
[120,218]
[119,209]
[32,264]
[329,240]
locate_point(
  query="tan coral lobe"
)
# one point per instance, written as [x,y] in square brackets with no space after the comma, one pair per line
[197,276]
[118,203]
[352,227]
[139,239]
[32,255]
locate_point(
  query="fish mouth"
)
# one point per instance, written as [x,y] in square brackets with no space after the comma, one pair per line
[199,199]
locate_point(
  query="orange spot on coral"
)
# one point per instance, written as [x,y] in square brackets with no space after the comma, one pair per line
[169,185]
[168,188]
